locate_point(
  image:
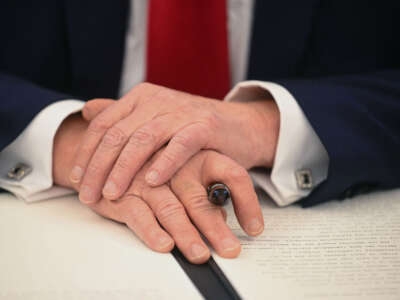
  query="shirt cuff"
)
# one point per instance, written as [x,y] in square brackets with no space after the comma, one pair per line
[299,150]
[34,149]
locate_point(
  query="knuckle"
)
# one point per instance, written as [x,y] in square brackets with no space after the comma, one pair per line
[98,125]
[139,213]
[138,187]
[201,131]
[183,141]
[210,119]
[166,94]
[114,137]
[141,188]
[168,210]
[204,131]
[199,203]
[141,137]
[94,169]
[130,207]
[86,151]
[144,85]
[122,163]
[237,173]
[146,91]
[169,157]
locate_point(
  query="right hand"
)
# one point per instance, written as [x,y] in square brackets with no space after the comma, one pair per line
[125,135]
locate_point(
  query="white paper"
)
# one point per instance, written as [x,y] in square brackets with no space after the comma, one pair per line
[60,249]
[338,250]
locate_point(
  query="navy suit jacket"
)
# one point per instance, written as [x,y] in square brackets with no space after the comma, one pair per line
[340,59]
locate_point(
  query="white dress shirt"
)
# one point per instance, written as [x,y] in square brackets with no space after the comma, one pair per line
[299,148]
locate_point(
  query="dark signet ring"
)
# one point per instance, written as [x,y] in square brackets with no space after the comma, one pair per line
[218,194]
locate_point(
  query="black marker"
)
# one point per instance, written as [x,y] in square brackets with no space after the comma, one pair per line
[218,194]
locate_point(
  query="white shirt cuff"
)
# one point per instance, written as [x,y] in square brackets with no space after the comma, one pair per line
[299,148]
[34,148]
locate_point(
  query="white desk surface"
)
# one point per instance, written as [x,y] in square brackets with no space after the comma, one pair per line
[60,249]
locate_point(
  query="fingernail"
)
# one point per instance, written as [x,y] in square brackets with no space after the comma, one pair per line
[110,189]
[198,251]
[86,195]
[164,242]
[254,227]
[229,244]
[152,177]
[76,174]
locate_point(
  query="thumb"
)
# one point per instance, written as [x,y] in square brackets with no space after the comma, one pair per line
[93,107]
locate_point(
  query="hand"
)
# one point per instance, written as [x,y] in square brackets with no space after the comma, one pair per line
[177,206]
[183,204]
[67,139]
[127,133]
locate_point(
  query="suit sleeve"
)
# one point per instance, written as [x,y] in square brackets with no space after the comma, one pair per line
[357,118]
[30,117]
[20,102]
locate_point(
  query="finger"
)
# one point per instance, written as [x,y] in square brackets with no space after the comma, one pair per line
[180,149]
[109,149]
[137,215]
[100,164]
[99,126]
[94,134]
[220,168]
[140,147]
[209,218]
[142,144]
[94,107]
[172,216]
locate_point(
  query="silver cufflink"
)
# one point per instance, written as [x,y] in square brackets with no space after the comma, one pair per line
[19,172]
[304,179]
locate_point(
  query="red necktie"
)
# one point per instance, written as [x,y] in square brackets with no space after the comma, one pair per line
[187,46]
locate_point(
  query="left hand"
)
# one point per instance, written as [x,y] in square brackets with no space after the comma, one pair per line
[178,212]
[127,133]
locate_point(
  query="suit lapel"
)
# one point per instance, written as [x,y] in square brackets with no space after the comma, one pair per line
[281,32]
[96,37]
